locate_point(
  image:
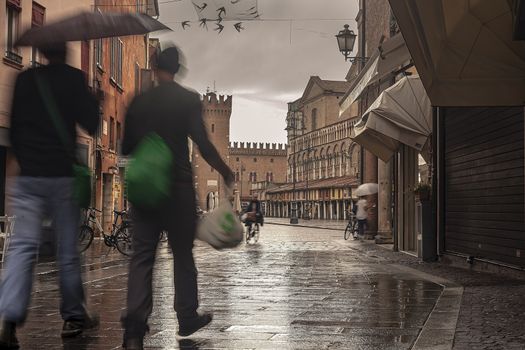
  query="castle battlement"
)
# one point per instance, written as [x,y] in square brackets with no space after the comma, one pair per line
[212,100]
[254,148]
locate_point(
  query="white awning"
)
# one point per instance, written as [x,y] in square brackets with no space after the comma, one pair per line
[388,58]
[463,50]
[402,114]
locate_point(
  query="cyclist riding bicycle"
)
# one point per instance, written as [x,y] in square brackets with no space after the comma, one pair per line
[253,213]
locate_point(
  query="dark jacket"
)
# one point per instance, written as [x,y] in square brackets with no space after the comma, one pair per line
[254,206]
[174,113]
[35,141]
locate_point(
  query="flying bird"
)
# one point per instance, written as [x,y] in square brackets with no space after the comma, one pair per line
[201,8]
[238,26]
[203,23]
[219,28]
[221,11]
[185,24]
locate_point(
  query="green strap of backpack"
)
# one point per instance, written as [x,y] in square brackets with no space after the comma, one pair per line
[81,173]
[149,173]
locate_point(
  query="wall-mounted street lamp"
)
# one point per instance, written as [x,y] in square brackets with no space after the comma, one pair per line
[346,41]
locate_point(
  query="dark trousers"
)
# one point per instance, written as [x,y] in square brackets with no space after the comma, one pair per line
[178,217]
[361,227]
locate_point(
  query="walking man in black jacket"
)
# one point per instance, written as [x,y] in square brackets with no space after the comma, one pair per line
[174,113]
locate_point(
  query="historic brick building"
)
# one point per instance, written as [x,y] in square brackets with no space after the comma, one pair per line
[323,163]
[250,163]
[208,182]
[255,164]
[118,64]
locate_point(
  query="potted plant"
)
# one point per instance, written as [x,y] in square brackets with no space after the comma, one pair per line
[423,191]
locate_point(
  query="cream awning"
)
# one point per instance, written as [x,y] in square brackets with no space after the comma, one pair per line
[388,58]
[463,51]
[402,114]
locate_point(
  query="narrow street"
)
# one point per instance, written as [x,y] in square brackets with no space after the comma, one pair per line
[298,288]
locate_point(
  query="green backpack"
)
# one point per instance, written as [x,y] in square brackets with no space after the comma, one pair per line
[149,173]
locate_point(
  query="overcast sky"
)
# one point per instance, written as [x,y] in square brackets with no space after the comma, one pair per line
[263,66]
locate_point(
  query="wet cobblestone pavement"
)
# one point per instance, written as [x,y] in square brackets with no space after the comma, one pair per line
[298,288]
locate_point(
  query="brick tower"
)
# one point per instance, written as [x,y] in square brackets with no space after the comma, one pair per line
[209,184]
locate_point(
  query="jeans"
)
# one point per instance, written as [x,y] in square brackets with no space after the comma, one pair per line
[179,218]
[31,198]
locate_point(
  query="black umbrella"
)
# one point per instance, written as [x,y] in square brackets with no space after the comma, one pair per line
[90,25]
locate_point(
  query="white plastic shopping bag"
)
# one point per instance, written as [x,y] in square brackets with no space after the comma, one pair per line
[221,228]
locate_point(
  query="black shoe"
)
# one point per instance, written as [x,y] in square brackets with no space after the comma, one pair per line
[8,335]
[133,344]
[189,326]
[72,328]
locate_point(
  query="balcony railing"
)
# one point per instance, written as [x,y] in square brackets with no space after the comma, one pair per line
[13,56]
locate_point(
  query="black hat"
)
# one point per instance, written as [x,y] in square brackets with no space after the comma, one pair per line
[168,60]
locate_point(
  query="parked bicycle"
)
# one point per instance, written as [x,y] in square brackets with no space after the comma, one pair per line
[119,238]
[352,227]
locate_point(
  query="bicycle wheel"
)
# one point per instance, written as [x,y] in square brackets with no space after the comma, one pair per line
[123,240]
[256,231]
[348,230]
[355,230]
[85,237]
[248,231]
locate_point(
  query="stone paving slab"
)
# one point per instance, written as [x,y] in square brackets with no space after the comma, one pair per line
[298,288]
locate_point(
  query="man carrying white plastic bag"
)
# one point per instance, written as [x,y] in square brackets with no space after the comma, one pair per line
[167,114]
[221,228]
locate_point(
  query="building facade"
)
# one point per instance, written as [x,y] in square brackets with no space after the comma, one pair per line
[255,164]
[209,184]
[15,17]
[118,65]
[323,163]
[250,162]
[478,172]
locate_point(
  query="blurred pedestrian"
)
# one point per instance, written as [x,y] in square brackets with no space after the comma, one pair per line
[173,113]
[362,216]
[45,185]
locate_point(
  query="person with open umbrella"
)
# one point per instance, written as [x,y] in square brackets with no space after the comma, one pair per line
[48,104]
[362,206]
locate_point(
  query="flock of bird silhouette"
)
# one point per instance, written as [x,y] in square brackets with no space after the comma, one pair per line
[251,13]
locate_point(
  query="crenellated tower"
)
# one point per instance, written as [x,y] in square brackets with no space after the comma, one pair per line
[209,185]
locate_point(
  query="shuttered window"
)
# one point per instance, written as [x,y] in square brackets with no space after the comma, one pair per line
[484,181]
[38,15]
[116,61]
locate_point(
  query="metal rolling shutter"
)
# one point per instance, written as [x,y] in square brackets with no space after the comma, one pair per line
[484,181]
